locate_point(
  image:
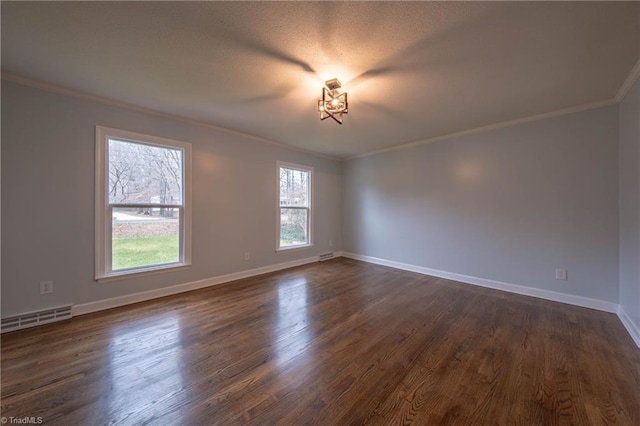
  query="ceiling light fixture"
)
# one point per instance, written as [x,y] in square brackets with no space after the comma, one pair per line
[333,103]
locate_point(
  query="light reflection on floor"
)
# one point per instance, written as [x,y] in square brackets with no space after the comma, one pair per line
[145,361]
[293,334]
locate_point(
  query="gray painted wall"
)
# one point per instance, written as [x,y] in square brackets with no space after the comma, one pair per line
[509,205]
[48,196]
[630,204]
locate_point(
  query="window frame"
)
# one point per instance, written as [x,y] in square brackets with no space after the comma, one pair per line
[104,209]
[309,208]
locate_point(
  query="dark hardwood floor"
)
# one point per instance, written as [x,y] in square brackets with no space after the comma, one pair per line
[334,343]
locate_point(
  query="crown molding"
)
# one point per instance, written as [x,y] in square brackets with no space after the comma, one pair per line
[628,83]
[503,124]
[54,88]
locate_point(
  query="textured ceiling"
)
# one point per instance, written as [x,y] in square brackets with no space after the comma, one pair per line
[413,71]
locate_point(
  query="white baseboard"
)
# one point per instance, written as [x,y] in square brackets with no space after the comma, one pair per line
[632,329]
[570,299]
[114,302]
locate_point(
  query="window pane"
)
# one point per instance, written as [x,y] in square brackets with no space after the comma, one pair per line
[141,173]
[294,187]
[293,227]
[144,237]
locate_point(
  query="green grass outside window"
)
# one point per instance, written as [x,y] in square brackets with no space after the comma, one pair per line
[136,252]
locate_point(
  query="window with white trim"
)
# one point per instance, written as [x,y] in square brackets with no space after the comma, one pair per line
[143,212]
[294,206]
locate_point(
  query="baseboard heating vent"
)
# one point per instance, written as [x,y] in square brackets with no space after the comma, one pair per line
[36,318]
[325,256]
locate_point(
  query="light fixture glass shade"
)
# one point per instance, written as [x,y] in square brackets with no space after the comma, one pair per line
[333,103]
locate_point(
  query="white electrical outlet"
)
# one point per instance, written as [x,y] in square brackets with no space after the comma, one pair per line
[247,255]
[46,287]
[561,274]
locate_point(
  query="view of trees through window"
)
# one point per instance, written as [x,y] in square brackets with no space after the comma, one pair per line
[294,206]
[145,195]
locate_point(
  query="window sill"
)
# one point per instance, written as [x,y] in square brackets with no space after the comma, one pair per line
[280,249]
[138,273]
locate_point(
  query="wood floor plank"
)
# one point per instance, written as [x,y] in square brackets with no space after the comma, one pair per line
[338,342]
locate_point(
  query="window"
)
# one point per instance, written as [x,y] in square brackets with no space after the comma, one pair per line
[142,203]
[294,206]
